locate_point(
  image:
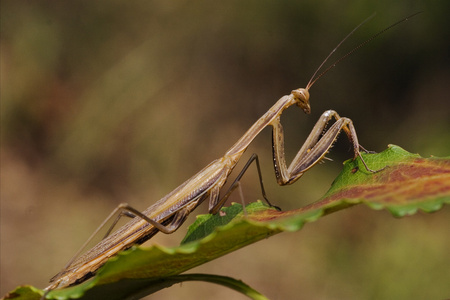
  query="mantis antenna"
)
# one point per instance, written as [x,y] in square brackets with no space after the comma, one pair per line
[314,78]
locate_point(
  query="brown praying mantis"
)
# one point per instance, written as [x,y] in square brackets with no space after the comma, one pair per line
[169,213]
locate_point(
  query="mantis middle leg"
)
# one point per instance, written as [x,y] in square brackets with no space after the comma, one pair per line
[235,184]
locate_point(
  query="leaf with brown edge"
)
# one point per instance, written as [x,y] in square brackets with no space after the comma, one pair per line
[407,183]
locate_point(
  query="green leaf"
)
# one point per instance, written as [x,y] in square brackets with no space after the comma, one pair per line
[136,289]
[407,183]
[25,292]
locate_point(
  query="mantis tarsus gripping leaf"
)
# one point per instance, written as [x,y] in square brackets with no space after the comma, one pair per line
[171,211]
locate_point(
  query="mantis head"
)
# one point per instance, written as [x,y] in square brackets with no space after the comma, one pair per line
[301,97]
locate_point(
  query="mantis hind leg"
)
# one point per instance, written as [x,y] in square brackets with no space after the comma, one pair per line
[175,220]
[171,225]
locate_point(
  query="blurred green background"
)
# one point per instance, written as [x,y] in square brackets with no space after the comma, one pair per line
[104,102]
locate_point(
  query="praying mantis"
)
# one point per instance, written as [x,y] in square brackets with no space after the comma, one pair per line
[169,213]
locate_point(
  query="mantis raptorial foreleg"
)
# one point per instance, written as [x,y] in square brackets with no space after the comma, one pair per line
[314,149]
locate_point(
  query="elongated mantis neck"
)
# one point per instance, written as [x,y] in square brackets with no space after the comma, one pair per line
[273,113]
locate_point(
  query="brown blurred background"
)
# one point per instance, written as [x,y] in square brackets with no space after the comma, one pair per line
[104,102]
